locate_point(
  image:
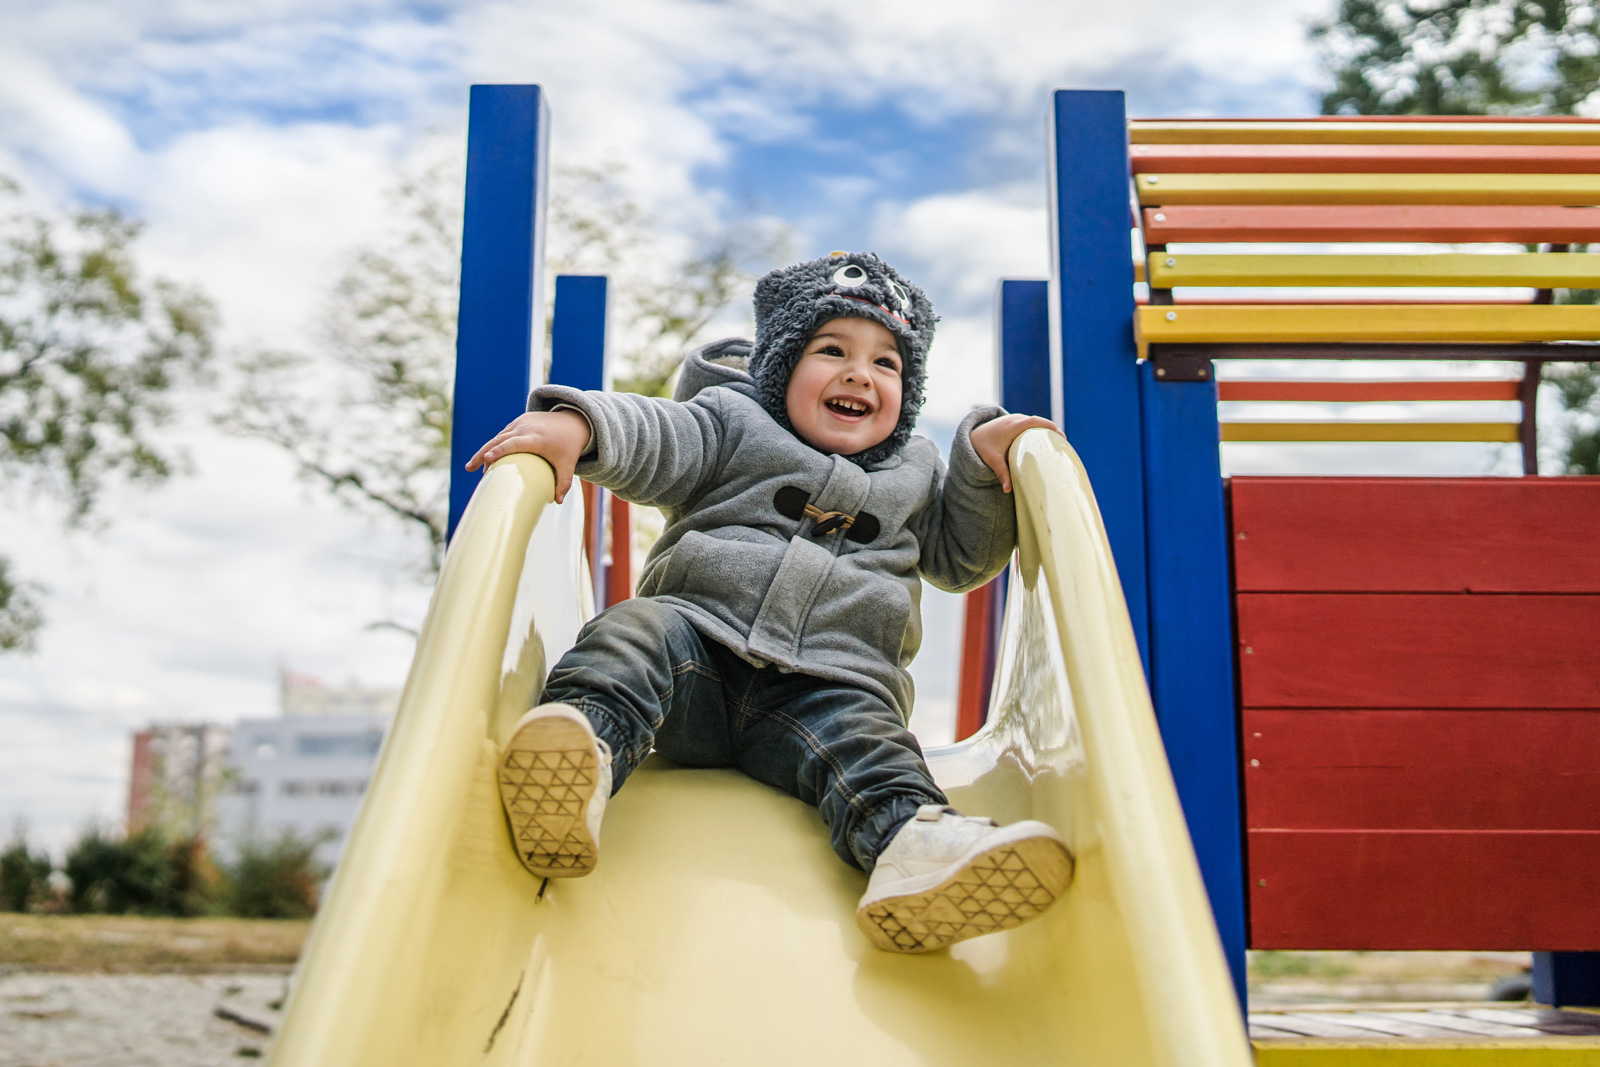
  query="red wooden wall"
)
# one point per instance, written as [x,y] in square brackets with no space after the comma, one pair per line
[1419,669]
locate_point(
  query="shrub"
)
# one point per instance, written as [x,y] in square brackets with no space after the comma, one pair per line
[24,875]
[277,878]
[143,873]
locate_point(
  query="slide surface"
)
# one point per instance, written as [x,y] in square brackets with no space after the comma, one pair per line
[718,928]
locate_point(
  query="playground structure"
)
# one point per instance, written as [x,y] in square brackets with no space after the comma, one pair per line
[719,927]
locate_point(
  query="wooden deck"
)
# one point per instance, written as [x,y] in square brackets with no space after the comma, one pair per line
[1422,1035]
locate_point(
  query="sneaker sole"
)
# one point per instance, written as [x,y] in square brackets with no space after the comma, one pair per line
[547,776]
[1001,888]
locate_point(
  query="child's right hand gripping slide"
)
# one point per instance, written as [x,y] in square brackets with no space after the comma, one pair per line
[558,437]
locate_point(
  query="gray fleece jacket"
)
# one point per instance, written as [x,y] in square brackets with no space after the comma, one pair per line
[746,575]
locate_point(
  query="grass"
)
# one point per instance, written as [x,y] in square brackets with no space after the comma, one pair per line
[1280,964]
[132,944]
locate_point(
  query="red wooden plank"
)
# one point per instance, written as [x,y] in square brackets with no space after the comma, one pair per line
[1406,650]
[1486,535]
[1358,391]
[1421,770]
[1509,891]
[1448,223]
[1365,159]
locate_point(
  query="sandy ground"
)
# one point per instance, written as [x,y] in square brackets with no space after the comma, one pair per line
[102,991]
[132,1020]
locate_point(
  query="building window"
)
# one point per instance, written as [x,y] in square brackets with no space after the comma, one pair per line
[363,744]
[322,787]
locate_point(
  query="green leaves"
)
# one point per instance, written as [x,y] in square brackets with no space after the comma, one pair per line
[90,355]
[1460,57]
[20,613]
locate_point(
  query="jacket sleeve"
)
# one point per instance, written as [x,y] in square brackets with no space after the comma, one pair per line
[968,530]
[646,449]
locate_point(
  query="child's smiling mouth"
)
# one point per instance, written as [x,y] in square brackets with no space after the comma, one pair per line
[848,407]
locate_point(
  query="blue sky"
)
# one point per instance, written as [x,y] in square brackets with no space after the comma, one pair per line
[256,138]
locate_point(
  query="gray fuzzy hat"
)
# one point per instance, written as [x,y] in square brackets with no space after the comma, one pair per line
[792,302]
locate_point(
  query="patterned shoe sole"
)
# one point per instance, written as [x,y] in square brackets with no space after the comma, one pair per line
[999,889]
[547,778]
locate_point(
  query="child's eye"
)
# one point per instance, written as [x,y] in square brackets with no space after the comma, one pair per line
[831,350]
[885,361]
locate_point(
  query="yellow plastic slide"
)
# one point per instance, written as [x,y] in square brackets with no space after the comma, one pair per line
[719,926]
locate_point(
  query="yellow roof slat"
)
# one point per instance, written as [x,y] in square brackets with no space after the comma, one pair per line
[1542,270]
[1569,190]
[1503,432]
[1364,323]
[1313,132]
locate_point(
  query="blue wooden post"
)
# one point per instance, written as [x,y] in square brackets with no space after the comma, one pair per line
[578,332]
[1191,637]
[500,328]
[1570,979]
[578,358]
[1024,347]
[1096,389]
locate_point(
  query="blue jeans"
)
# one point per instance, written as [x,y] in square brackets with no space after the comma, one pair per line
[645,677]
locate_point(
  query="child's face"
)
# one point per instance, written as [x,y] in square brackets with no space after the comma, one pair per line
[844,394]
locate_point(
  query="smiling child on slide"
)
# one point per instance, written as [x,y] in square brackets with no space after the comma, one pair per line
[778,611]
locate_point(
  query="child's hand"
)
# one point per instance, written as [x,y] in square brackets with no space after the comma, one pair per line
[993,440]
[557,437]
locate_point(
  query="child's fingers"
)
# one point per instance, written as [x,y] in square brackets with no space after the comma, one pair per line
[516,428]
[482,456]
[1036,422]
[563,483]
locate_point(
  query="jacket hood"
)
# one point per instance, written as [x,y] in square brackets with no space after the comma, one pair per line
[725,362]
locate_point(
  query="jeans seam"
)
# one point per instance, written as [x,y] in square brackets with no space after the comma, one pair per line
[741,706]
[694,666]
[816,745]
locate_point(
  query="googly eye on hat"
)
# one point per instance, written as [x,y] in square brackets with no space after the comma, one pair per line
[850,276]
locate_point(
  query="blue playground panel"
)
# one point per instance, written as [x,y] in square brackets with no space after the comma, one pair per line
[502,272]
[578,332]
[1151,450]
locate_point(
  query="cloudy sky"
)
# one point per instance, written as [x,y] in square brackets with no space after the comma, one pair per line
[256,139]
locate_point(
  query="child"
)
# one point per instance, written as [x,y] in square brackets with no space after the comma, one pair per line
[778,611]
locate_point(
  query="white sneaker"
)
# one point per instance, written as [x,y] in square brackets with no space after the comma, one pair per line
[555,778]
[946,877]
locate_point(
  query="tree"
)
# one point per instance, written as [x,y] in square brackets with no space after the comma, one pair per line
[24,874]
[142,873]
[1460,57]
[90,356]
[1478,57]
[367,414]
[276,878]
